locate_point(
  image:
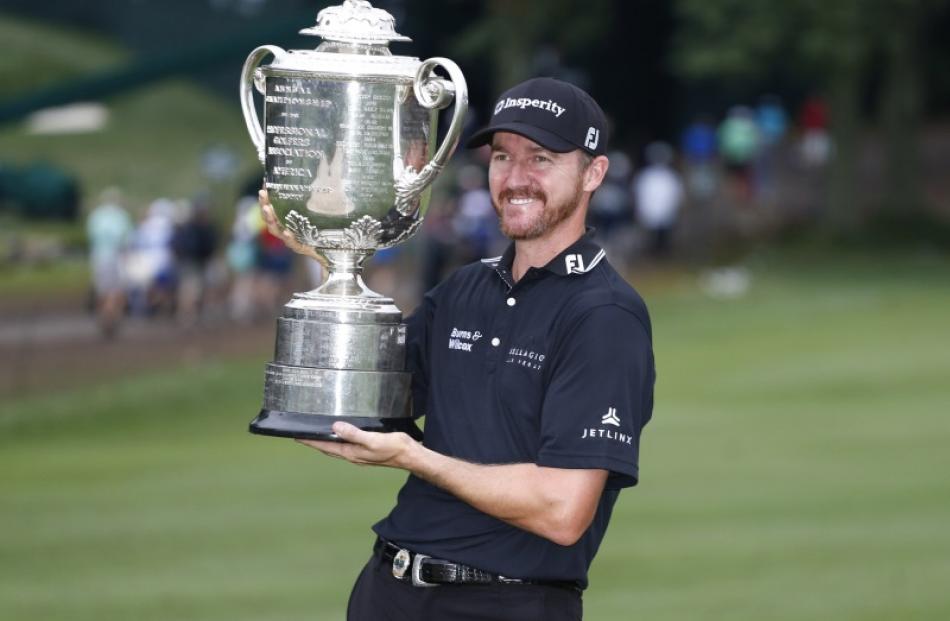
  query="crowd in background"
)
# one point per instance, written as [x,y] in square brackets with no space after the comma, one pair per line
[176,262]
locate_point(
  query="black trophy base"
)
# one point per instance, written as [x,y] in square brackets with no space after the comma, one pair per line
[319,427]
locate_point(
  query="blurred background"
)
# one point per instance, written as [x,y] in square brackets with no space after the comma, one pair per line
[778,192]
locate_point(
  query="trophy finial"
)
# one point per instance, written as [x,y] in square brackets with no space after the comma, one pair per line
[356,21]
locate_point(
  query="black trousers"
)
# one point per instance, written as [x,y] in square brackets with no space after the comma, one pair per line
[378,596]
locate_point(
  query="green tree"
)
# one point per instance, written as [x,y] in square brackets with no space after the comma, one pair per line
[510,33]
[836,45]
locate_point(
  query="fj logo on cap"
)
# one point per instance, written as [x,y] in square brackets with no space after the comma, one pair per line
[593,137]
[523,102]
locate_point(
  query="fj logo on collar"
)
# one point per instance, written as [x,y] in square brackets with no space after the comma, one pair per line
[610,418]
[574,264]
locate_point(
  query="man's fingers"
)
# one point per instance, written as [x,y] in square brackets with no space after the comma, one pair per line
[351,433]
[267,210]
[333,449]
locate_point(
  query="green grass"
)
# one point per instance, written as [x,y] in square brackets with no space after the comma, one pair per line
[796,468]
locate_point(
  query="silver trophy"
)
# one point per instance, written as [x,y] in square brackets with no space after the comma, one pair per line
[348,146]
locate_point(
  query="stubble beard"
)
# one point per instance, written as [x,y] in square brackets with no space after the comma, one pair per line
[552,214]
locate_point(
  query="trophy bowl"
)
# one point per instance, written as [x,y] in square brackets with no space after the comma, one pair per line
[348,145]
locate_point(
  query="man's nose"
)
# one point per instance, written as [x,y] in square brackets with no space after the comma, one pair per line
[517,175]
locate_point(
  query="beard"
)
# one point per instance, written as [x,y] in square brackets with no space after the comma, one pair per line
[553,213]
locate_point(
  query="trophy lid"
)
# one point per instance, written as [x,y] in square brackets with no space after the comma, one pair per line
[355,21]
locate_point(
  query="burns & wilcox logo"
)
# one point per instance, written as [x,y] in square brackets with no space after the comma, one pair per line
[463,340]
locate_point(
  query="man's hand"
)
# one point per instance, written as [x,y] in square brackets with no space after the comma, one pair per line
[273,225]
[366,447]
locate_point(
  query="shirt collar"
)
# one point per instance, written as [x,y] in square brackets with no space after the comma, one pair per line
[579,258]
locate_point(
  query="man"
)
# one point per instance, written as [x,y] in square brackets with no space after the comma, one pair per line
[535,373]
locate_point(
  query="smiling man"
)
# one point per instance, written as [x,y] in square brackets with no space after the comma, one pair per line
[535,373]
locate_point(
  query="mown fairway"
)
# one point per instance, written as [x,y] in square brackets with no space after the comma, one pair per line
[796,468]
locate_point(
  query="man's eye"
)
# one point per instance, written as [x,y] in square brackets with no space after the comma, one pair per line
[542,159]
[499,157]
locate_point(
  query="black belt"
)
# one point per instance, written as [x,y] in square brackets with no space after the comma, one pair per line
[425,571]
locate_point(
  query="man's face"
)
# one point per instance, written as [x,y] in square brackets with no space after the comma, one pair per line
[533,189]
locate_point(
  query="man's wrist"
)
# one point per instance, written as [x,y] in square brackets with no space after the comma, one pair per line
[412,457]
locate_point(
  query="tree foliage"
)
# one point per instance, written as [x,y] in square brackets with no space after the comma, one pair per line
[838,47]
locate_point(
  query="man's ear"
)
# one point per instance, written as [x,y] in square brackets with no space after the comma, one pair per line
[595,173]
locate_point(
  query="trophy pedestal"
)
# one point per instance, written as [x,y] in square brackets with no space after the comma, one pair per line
[337,358]
[319,427]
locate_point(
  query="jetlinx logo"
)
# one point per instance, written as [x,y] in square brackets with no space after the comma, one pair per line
[524,102]
[610,418]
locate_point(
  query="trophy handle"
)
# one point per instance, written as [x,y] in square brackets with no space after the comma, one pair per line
[249,76]
[433,93]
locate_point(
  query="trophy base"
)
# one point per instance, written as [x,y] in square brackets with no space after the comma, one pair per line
[319,427]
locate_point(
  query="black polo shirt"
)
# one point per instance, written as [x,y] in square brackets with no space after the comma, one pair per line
[556,369]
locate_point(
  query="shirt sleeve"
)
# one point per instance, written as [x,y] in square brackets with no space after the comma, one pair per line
[599,396]
[417,354]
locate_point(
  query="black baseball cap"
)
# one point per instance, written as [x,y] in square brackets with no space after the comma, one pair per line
[555,114]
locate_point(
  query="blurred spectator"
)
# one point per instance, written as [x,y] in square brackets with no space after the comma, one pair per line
[772,123]
[699,157]
[439,240]
[151,266]
[194,243]
[815,146]
[739,144]
[242,258]
[658,191]
[274,265]
[610,206]
[109,229]
[475,223]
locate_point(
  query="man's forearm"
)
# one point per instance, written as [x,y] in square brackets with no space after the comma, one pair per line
[554,503]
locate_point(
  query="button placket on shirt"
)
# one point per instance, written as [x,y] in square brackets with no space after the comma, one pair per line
[501,328]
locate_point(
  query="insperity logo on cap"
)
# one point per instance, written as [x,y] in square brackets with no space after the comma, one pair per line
[524,102]
[555,114]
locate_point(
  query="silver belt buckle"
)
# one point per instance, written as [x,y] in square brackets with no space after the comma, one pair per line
[417,571]
[401,563]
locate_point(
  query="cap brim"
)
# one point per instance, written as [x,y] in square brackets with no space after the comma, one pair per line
[543,137]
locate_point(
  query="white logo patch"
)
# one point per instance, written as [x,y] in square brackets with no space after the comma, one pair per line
[574,264]
[523,102]
[593,137]
[610,418]
[525,358]
[463,340]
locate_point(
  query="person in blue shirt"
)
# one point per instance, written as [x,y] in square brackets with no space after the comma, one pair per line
[535,373]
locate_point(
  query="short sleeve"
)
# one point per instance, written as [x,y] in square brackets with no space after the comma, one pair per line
[417,353]
[599,395]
